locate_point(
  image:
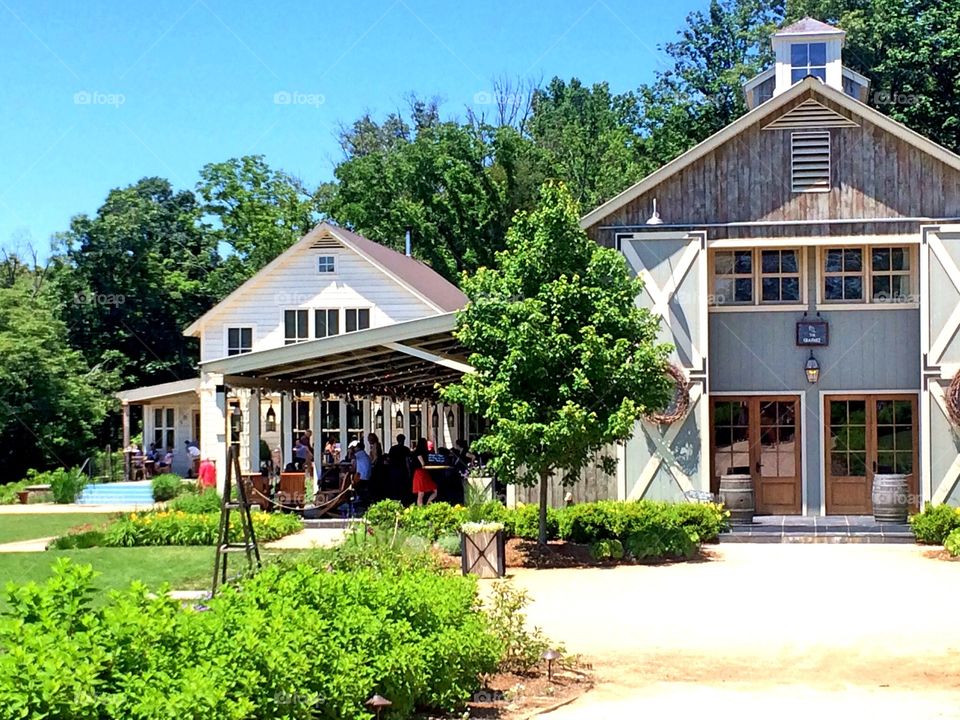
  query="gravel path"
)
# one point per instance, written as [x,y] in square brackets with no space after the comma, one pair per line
[762,631]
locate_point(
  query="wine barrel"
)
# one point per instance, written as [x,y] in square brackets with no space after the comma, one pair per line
[736,494]
[891,495]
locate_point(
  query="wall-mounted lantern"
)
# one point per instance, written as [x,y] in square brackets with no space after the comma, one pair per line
[812,369]
[271,420]
[399,419]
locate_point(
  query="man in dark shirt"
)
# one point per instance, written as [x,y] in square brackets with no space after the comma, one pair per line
[398,459]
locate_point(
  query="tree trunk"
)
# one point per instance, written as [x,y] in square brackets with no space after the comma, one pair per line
[542,536]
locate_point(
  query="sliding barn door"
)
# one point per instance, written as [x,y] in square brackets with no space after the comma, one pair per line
[939,362]
[666,461]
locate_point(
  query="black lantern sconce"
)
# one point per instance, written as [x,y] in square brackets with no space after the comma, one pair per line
[271,420]
[399,419]
[812,369]
[380,418]
[435,418]
[236,418]
[450,419]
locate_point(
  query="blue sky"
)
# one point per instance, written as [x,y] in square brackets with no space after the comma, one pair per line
[96,95]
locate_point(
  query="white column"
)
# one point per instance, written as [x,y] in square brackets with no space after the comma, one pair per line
[213,421]
[389,411]
[406,420]
[316,424]
[253,423]
[343,427]
[368,423]
[286,427]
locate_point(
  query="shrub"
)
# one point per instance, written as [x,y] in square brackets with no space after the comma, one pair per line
[932,526]
[193,503]
[433,520]
[295,641]
[524,522]
[384,514]
[8,492]
[175,527]
[607,550]
[382,549]
[521,648]
[952,543]
[77,541]
[65,485]
[166,487]
[450,544]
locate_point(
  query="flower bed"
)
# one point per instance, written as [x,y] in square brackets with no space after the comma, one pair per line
[175,527]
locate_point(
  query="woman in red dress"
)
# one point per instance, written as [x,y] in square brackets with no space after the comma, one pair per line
[422,482]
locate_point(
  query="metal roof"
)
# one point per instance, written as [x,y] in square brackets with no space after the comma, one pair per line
[163,390]
[407,359]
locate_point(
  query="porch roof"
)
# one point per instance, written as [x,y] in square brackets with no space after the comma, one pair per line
[406,359]
[147,393]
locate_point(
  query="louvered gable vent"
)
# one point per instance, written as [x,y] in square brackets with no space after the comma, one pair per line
[810,161]
[326,242]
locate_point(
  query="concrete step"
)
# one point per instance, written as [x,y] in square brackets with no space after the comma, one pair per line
[819,538]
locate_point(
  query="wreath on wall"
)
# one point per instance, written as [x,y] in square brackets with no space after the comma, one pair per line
[678,406]
[952,399]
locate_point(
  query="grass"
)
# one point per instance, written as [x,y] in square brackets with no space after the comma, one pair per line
[184,568]
[27,527]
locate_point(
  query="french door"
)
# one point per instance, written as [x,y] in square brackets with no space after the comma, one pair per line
[760,437]
[865,435]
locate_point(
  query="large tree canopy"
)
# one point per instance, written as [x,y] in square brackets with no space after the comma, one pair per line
[566,362]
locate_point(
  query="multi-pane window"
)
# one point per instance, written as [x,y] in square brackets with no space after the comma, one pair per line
[867,275]
[779,276]
[733,277]
[294,326]
[327,264]
[163,428]
[354,420]
[757,277]
[731,433]
[843,273]
[356,319]
[327,322]
[239,340]
[895,436]
[808,59]
[890,274]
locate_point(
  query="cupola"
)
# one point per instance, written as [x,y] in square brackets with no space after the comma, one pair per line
[808,47]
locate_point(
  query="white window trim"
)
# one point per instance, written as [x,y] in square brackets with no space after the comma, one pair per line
[336,264]
[226,337]
[164,428]
[758,305]
[809,66]
[868,303]
[283,325]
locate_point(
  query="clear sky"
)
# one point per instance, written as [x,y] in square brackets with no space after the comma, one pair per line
[95,95]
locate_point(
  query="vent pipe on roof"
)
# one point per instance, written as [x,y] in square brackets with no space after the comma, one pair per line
[409,250]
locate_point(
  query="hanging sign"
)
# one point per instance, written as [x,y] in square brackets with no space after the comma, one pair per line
[813,333]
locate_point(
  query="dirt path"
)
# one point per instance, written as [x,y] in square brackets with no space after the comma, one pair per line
[762,630]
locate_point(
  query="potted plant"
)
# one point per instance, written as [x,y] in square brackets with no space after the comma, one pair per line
[479,480]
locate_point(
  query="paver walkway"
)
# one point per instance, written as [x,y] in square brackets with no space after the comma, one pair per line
[309,538]
[34,545]
[762,631]
[52,508]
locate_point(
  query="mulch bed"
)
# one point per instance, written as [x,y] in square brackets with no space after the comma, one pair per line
[940,554]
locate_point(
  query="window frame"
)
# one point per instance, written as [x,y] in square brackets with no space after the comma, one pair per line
[757,275]
[226,339]
[808,67]
[335,264]
[306,326]
[357,311]
[330,312]
[167,430]
[868,302]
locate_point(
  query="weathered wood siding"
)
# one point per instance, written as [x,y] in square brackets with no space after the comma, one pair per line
[874,174]
[594,484]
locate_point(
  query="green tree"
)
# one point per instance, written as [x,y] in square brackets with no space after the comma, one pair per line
[566,362]
[588,137]
[131,277]
[908,49]
[52,403]
[255,212]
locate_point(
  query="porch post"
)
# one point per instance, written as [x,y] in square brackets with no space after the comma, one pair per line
[126,440]
[316,424]
[406,421]
[253,420]
[388,421]
[343,426]
[286,428]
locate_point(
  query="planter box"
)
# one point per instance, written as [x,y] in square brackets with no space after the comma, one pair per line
[485,485]
[482,554]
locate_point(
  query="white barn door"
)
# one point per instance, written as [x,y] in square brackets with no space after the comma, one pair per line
[665,461]
[939,362]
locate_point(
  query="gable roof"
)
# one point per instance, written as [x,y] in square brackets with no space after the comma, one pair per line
[809,26]
[770,107]
[420,279]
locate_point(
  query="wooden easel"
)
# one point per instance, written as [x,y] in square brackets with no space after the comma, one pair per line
[227,505]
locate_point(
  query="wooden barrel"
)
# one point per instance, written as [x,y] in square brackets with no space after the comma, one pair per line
[891,495]
[736,494]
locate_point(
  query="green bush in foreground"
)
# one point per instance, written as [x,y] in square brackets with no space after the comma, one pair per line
[294,641]
[952,543]
[166,487]
[932,526]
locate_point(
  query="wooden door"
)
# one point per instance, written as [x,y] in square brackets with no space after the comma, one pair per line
[759,436]
[864,435]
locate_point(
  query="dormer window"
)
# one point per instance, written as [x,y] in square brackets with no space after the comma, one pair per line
[808,59]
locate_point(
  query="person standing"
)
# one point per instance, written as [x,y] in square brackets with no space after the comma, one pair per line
[422,482]
[399,470]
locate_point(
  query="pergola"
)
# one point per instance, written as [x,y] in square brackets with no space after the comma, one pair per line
[404,360]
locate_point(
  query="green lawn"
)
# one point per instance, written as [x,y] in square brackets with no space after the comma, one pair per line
[28,527]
